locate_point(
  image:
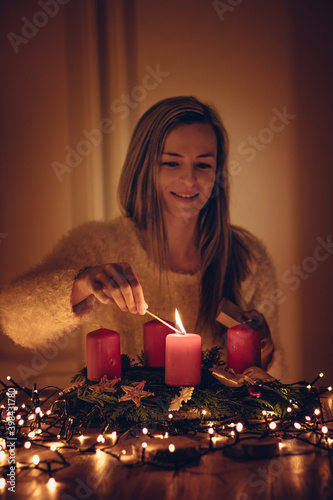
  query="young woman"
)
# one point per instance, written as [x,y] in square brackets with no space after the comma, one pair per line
[173,246]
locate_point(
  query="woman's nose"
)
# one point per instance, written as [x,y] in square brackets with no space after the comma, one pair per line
[188,175]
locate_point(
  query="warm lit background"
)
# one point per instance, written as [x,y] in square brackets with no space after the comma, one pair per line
[251,58]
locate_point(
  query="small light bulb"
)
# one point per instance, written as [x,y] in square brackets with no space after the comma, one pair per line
[321,374]
[100,439]
[27,445]
[172,448]
[36,459]
[317,411]
[297,425]
[51,484]
[170,415]
[211,430]
[324,429]
[272,426]
[239,427]
[144,444]
[2,482]
[31,434]
[145,430]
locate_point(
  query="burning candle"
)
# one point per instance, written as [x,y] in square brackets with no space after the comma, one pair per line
[182,357]
[154,335]
[243,347]
[103,354]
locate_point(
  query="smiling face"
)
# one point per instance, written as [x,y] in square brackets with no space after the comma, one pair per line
[187,168]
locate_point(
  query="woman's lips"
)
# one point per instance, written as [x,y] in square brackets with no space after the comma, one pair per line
[185,196]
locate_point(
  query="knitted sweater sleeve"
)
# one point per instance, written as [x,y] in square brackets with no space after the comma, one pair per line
[260,291]
[36,307]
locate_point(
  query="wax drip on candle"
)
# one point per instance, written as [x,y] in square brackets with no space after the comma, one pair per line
[180,324]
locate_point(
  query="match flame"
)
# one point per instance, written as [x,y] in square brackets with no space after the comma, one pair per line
[179,323]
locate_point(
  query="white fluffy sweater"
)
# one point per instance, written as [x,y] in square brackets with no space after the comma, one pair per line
[36,308]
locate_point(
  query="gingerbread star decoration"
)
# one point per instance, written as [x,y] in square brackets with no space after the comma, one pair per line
[135,392]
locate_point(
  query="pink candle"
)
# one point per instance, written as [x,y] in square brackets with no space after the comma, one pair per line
[103,354]
[154,335]
[183,359]
[243,347]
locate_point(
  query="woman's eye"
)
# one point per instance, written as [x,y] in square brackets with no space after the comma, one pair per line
[169,164]
[204,166]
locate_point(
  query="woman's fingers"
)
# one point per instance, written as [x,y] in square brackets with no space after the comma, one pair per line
[118,283]
[121,294]
[98,289]
[256,318]
[133,294]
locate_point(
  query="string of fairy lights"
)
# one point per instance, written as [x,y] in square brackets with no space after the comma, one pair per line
[33,427]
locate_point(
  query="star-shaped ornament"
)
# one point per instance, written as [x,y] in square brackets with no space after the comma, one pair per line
[105,385]
[135,392]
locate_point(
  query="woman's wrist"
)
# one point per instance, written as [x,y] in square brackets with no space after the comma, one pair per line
[80,290]
[80,272]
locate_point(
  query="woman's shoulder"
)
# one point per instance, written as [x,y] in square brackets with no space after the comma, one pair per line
[260,266]
[254,246]
[93,238]
[101,229]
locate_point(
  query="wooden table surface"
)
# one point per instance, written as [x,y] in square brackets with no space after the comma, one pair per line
[301,471]
[306,476]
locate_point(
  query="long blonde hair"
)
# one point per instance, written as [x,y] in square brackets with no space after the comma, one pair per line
[222,269]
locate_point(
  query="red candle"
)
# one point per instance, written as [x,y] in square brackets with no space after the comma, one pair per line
[103,354]
[183,359]
[243,347]
[154,335]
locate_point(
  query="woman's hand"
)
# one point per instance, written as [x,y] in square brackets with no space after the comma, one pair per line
[110,283]
[267,347]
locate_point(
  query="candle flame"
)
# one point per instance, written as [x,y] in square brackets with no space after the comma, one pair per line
[179,323]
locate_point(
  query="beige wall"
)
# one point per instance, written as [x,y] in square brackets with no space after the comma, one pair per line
[255,57]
